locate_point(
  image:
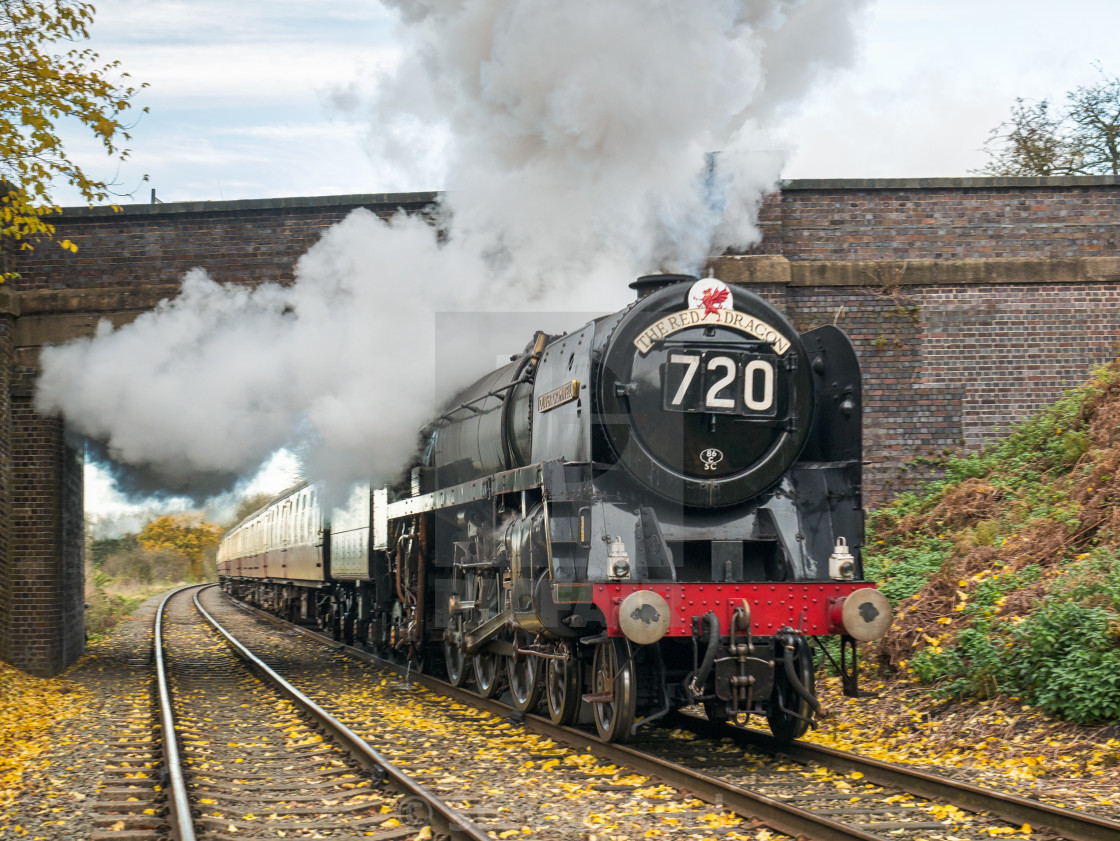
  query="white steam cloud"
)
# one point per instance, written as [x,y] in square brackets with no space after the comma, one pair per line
[577,138]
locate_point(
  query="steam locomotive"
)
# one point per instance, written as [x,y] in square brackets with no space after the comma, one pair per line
[659,509]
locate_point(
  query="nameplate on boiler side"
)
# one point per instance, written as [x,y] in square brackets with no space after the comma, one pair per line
[560,395]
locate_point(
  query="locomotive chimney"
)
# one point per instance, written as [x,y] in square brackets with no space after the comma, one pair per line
[650,283]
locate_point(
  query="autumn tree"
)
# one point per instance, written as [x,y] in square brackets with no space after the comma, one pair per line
[48,80]
[1081,139]
[1093,117]
[250,504]
[182,534]
[1030,143]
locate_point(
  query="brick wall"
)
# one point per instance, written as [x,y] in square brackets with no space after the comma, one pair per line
[242,242]
[943,218]
[44,614]
[8,562]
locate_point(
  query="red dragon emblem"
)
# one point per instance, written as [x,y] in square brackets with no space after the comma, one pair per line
[713,300]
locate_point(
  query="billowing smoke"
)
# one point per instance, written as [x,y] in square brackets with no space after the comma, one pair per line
[578,139]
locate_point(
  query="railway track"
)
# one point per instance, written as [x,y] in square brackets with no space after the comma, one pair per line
[801,789]
[513,783]
[245,755]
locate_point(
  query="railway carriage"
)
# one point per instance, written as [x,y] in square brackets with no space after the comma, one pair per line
[659,509]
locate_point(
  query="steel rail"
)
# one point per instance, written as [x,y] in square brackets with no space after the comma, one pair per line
[787,819]
[182,825]
[446,819]
[775,814]
[1010,807]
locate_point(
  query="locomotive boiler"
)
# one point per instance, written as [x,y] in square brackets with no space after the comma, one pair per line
[659,509]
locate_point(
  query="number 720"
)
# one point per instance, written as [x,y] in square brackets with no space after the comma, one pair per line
[718,374]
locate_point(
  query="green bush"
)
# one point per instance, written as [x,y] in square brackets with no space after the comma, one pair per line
[145,566]
[1062,655]
[974,666]
[901,571]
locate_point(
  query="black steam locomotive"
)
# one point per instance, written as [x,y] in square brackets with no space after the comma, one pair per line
[659,509]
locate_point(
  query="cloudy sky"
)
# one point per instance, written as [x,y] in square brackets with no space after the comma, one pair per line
[267,98]
[257,98]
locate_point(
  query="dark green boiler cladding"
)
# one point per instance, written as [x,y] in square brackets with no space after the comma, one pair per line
[706,407]
[656,510]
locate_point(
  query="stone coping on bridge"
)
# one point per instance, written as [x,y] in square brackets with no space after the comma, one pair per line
[415,199]
[963,183]
[753,270]
[412,200]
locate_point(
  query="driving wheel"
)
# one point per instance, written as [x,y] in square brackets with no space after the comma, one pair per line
[488,673]
[563,683]
[614,690]
[524,674]
[458,667]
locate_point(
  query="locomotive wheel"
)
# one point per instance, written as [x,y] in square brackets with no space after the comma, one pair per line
[786,727]
[613,676]
[488,673]
[458,666]
[524,674]
[563,683]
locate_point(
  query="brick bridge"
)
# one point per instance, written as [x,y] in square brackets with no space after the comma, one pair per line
[973,302]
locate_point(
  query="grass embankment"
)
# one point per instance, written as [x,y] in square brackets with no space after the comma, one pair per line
[111,600]
[1005,577]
